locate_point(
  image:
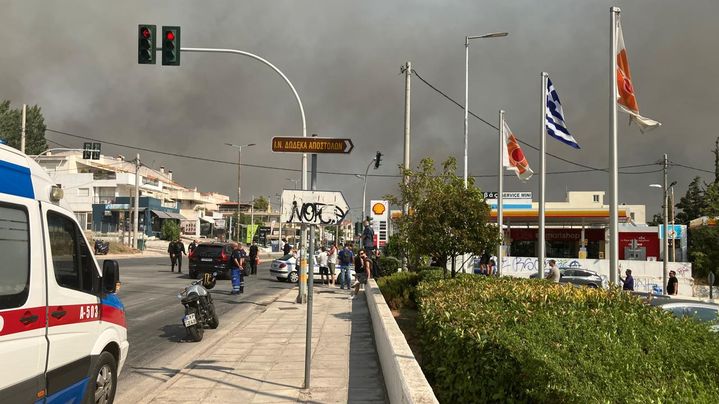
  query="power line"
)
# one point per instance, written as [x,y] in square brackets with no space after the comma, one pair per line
[672,163]
[496,128]
[234,163]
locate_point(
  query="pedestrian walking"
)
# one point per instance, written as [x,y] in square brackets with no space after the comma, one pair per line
[179,250]
[332,262]
[368,236]
[171,251]
[253,258]
[237,262]
[322,262]
[484,263]
[628,282]
[346,258]
[363,271]
[554,275]
[673,284]
[286,248]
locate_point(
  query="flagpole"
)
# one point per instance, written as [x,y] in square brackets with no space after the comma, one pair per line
[543,169]
[613,154]
[500,197]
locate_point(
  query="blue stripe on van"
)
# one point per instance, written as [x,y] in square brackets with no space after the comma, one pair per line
[15,180]
[72,394]
[111,299]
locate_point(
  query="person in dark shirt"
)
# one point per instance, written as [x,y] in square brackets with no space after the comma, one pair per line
[179,250]
[628,281]
[286,248]
[253,258]
[171,251]
[368,236]
[673,284]
[192,246]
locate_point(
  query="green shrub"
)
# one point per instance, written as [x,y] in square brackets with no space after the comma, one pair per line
[398,289]
[486,339]
[388,265]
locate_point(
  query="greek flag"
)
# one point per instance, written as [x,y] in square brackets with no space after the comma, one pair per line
[554,121]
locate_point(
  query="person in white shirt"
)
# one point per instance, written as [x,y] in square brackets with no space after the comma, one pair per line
[332,262]
[322,259]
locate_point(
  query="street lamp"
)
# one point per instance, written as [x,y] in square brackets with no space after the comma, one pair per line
[466,89]
[239,189]
[364,189]
[665,243]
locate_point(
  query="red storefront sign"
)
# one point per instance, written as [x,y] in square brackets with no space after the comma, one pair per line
[648,240]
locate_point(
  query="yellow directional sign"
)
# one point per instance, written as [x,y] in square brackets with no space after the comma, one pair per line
[311,145]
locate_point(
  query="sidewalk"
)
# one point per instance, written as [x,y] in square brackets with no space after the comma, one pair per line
[262,360]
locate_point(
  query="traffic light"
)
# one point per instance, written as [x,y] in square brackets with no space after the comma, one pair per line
[377,160]
[170,46]
[87,151]
[96,151]
[146,44]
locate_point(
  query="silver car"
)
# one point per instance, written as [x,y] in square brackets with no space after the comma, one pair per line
[700,311]
[579,277]
[287,269]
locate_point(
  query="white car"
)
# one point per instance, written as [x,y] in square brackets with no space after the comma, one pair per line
[286,269]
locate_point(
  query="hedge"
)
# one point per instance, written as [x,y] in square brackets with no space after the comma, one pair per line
[488,339]
[388,265]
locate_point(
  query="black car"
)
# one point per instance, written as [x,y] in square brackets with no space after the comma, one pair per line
[209,258]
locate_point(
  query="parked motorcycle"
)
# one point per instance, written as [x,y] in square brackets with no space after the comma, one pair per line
[199,307]
[102,247]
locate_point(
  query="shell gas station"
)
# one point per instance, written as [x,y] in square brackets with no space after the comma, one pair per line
[578,228]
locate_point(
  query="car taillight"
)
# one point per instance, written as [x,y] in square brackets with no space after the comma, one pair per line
[223,256]
[282,265]
[192,254]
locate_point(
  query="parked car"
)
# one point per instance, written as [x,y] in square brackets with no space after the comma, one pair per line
[700,311]
[579,277]
[209,258]
[286,268]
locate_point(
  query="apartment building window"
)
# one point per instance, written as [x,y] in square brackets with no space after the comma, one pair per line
[83,192]
[596,198]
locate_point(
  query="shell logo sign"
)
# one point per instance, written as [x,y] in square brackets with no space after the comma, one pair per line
[380,217]
[378,208]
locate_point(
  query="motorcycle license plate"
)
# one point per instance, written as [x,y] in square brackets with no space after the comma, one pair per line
[189,320]
[206,259]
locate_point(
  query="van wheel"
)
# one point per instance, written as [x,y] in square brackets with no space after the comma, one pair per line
[103,380]
[293,277]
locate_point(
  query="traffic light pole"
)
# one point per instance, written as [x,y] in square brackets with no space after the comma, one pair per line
[302,296]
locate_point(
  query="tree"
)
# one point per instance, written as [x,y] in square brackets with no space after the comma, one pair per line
[703,250]
[170,230]
[261,204]
[446,219]
[657,219]
[11,128]
[692,204]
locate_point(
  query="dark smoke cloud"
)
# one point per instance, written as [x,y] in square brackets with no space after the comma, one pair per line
[77,60]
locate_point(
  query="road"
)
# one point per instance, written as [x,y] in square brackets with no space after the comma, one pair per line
[158,349]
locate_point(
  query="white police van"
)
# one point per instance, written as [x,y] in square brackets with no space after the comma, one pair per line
[63,335]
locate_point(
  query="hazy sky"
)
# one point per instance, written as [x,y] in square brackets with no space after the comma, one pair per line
[78,61]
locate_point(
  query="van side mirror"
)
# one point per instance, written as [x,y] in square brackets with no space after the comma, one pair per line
[110,276]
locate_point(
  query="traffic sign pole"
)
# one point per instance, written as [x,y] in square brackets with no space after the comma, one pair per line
[310,282]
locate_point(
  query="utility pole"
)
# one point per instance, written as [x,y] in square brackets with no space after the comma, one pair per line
[310,280]
[674,239]
[407,150]
[665,240]
[22,132]
[136,214]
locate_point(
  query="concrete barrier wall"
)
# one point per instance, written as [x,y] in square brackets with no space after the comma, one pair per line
[647,274]
[402,375]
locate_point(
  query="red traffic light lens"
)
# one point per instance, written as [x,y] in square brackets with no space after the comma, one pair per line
[146,33]
[170,35]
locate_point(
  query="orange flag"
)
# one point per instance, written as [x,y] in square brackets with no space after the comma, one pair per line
[514,158]
[626,99]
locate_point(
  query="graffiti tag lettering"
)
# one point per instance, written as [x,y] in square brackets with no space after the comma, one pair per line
[316,213]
